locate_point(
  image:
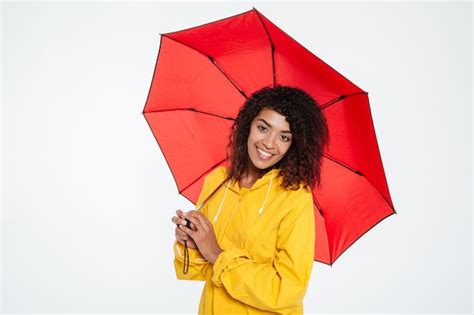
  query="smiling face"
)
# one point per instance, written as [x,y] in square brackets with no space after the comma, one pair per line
[269,139]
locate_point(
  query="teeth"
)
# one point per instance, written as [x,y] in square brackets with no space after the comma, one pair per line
[266,154]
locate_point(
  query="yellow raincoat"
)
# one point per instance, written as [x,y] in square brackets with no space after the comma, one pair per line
[267,234]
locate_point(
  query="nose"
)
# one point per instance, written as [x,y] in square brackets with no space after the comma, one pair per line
[268,141]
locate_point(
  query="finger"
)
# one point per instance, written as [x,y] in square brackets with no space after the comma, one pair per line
[185,223]
[181,233]
[175,220]
[183,237]
[204,223]
[194,213]
[194,221]
[190,232]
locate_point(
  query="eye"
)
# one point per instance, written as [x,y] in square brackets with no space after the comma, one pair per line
[286,139]
[261,128]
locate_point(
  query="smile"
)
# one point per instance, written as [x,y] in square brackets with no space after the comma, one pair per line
[263,154]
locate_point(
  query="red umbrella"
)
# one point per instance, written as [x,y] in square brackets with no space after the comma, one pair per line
[202,77]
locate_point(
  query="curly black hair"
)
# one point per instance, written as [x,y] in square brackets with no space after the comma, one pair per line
[302,162]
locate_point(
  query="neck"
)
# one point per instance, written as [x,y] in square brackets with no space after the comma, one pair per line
[249,177]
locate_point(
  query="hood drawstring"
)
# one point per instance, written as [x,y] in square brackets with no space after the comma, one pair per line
[222,202]
[260,211]
[266,195]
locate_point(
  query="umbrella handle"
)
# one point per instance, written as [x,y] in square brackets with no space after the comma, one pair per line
[186,258]
[186,252]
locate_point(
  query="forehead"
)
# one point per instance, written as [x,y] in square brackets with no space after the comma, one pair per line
[274,118]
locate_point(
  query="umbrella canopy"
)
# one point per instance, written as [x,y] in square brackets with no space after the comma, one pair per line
[203,76]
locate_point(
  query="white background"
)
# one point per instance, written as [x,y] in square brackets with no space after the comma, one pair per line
[87,197]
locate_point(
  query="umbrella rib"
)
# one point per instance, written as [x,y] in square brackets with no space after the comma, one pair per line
[350,245]
[342,164]
[360,174]
[339,98]
[271,44]
[331,261]
[213,62]
[316,203]
[211,168]
[228,78]
[189,109]
[310,52]
[318,206]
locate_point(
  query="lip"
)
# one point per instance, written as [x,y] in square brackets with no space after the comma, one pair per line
[264,157]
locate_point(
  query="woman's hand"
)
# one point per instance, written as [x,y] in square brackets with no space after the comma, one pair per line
[204,236]
[181,236]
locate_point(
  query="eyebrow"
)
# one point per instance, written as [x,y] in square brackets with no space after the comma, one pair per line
[285,131]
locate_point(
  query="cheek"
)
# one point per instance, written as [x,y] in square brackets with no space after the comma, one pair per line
[253,137]
[285,148]
[250,141]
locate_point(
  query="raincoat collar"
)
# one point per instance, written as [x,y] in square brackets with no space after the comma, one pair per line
[269,179]
[262,181]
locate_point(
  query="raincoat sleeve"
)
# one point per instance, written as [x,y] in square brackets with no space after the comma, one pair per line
[197,263]
[279,285]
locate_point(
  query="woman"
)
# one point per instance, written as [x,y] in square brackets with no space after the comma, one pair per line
[253,240]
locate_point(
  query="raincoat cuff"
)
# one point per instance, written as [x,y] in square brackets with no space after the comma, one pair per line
[195,256]
[227,260]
